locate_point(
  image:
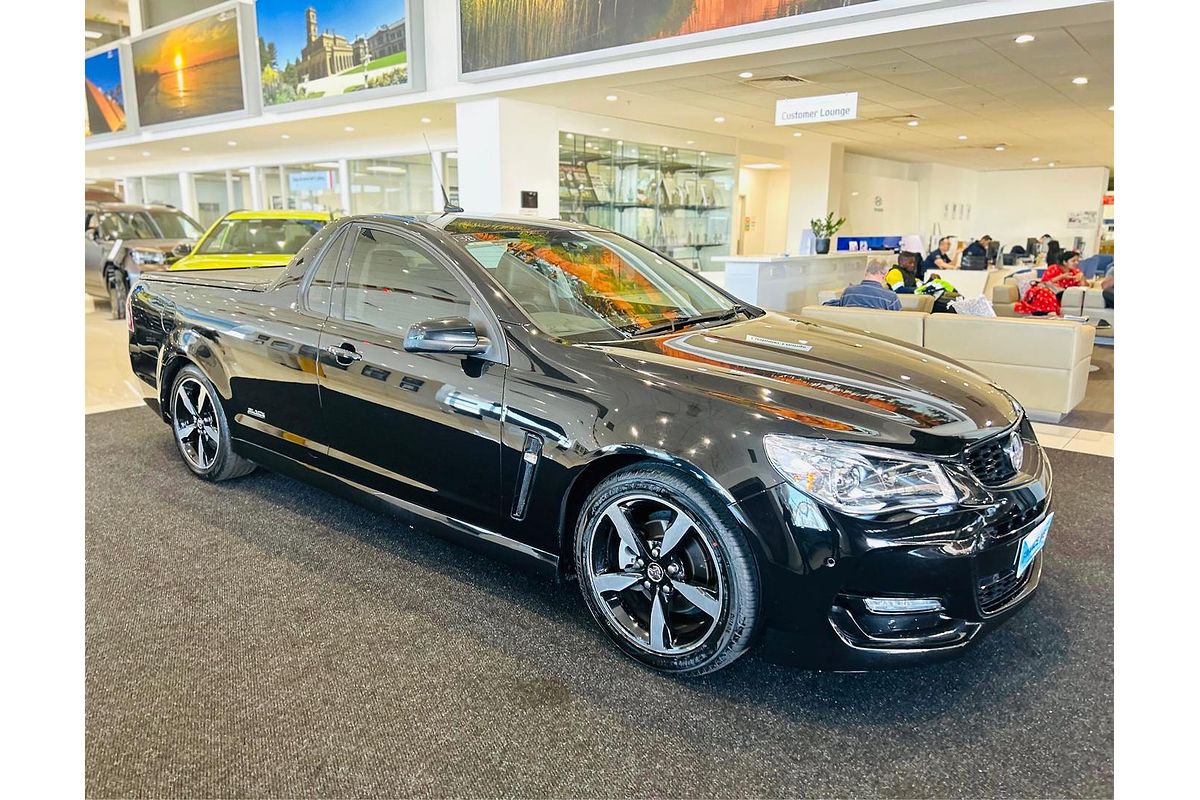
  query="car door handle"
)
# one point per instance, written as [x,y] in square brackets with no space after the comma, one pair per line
[344,353]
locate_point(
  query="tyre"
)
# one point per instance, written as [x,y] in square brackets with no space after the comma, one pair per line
[666,570]
[201,430]
[117,290]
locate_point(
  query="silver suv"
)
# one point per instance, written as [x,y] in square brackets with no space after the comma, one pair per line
[122,240]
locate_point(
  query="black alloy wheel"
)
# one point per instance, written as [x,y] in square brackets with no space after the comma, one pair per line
[201,429]
[667,571]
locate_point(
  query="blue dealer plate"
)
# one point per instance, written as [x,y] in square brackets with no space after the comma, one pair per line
[1032,544]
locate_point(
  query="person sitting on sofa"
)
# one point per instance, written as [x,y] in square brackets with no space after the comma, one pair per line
[902,278]
[871,293]
[1106,287]
[1064,272]
[1038,301]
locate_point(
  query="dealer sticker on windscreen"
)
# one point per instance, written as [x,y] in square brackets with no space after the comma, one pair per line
[803,347]
[1032,544]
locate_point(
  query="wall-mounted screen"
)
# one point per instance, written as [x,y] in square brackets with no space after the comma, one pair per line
[105,95]
[310,49]
[500,33]
[192,70]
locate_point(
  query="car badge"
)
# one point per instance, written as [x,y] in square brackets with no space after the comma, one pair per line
[1015,450]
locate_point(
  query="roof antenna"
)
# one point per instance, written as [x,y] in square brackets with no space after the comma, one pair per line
[447,206]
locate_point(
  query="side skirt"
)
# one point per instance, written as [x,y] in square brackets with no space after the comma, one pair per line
[494,545]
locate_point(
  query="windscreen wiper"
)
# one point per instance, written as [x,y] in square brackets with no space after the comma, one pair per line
[694,319]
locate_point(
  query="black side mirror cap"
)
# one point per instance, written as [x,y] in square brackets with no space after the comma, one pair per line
[446,335]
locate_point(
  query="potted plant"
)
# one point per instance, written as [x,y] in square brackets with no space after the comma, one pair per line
[824,229]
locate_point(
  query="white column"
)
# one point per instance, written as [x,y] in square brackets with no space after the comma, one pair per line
[504,147]
[256,195]
[230,203]
[344,183]
[187,195]
[816,185]
[283,186]
[439,179]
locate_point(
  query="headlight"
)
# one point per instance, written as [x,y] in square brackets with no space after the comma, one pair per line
[147,256]
[858,480]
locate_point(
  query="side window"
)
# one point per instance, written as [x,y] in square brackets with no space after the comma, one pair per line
[392,283]
[320,288]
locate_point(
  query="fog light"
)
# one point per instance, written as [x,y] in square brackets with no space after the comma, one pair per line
[901,605]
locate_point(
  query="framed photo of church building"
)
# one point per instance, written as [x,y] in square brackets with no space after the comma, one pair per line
[313,50]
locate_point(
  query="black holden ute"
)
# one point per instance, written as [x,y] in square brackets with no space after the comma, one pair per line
[715,476]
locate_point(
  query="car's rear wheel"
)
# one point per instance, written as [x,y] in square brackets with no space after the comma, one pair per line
[117,290]
[666,570]
[201,430]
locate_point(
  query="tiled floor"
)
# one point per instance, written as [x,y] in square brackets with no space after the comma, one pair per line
[111,385]
[1061,437]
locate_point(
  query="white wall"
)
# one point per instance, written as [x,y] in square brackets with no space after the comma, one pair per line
[766,193]
[1015,205]
[816,184]
[877,206]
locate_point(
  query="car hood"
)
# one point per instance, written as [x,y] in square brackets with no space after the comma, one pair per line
[836,382]
[165,245]
[231,261]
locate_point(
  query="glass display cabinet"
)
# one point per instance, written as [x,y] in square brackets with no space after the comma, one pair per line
[674,199]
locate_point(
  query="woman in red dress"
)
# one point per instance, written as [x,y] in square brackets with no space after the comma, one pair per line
[1064,273]
[1038,301]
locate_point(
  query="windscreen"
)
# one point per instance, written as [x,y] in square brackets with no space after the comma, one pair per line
[259,236]
[175,225]
[591,285]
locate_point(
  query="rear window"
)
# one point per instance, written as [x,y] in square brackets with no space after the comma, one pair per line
[260,236]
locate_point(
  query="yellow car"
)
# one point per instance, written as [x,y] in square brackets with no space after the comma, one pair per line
[253,239]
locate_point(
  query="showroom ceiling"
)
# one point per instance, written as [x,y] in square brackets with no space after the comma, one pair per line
[968,80]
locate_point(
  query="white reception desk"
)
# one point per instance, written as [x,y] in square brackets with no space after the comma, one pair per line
[788,283]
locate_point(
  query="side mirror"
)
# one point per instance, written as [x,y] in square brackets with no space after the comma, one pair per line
[446,335]
[181,249]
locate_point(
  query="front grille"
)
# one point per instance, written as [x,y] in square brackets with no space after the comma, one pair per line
[989,462]
[1014,521]
[995,591]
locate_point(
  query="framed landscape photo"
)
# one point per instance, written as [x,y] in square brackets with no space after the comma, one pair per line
[104,93]
[324,49]
[191,69]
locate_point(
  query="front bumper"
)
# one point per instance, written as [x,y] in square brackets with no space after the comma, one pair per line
[819,568]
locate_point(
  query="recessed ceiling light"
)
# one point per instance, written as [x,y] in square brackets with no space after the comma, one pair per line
[285,136]
[611,98]
[1036,159]
[718,119]
[425,120]
[112,158]
[962,137]
[746,74]
[92,34]
[1110,108]
[605,130]
[186,149]
[231,143]
[797,134]
[1080,81]
[1051,164]
[912,123]
[349,129]
[854,194]
[1000,148]
[1024,38]
[665,148]
[764,165]
[145,152]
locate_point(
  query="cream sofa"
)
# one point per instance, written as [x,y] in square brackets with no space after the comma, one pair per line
[1042,362]
[1086,302]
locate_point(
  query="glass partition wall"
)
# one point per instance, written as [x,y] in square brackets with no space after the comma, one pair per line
[391,185]
[674,199]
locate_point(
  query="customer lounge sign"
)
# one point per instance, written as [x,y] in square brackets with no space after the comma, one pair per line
[826,108]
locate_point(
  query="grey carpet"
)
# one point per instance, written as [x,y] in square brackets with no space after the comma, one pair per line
[261,638]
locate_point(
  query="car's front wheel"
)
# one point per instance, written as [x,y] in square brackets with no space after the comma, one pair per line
[666,570]
[201,429]
[117,289]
